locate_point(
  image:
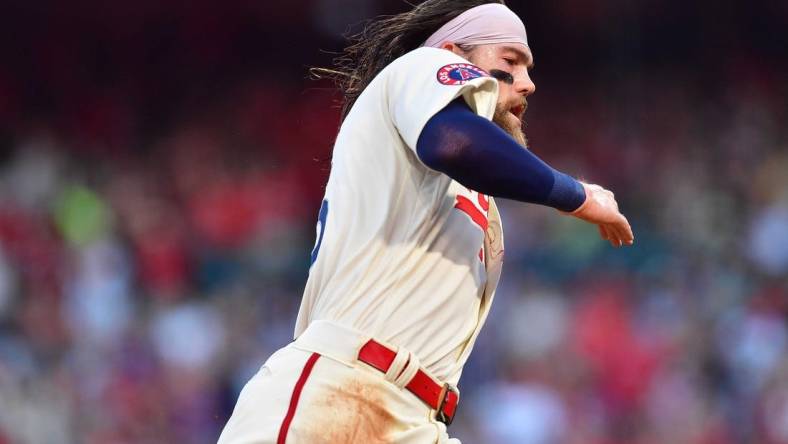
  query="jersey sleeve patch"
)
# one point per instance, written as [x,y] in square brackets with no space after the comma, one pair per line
[459,74]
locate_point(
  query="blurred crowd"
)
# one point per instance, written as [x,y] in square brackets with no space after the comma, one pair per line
[159,183]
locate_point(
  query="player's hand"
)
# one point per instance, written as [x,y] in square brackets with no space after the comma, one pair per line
[600,208]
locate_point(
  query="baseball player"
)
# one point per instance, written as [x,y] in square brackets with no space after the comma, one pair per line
[409,243]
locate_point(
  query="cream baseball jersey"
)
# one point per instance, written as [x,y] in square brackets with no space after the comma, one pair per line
[400,251]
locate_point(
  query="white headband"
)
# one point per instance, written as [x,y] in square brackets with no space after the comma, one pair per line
[490,23]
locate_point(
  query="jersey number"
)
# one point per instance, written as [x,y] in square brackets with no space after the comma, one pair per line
[321,228]
[478,214]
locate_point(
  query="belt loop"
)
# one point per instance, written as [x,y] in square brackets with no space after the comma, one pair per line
[410,370]
[397,365]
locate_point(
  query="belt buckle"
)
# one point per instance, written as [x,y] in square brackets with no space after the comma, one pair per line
[440,415]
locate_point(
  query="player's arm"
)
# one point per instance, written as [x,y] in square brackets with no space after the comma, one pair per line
[480,155]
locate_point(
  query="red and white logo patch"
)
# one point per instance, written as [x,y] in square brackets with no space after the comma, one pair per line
[460,73]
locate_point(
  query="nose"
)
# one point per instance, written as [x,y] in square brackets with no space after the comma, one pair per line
[523,85]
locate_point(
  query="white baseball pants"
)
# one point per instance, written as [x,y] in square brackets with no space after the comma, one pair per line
[315,391]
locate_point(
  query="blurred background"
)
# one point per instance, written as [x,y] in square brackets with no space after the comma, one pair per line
[162,165]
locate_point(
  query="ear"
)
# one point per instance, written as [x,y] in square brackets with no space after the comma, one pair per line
[450,46]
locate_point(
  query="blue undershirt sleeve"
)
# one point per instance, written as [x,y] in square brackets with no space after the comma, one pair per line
[478,154]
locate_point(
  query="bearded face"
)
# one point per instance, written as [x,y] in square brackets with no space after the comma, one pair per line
[510,65]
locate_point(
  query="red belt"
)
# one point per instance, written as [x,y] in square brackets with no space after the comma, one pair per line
[441,398]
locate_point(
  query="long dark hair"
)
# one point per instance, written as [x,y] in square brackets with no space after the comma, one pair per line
[385,39]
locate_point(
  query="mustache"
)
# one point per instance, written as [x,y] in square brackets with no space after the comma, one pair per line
[516,107]
[522,106]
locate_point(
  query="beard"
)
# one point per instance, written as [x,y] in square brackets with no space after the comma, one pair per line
[503,119]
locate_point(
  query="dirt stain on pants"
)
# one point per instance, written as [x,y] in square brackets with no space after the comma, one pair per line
[351,413]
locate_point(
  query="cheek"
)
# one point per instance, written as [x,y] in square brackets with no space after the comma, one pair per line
[504,93]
